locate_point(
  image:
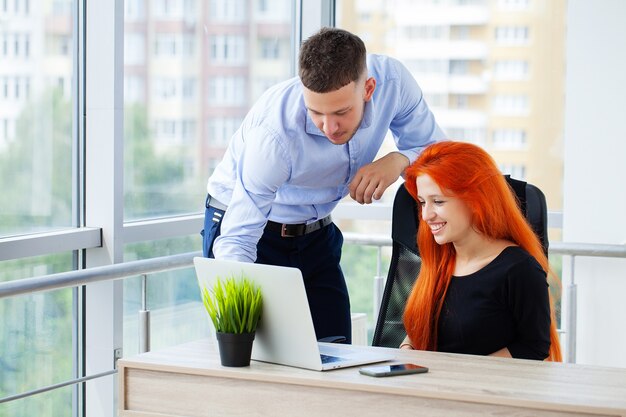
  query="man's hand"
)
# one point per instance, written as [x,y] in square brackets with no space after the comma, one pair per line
[371,181]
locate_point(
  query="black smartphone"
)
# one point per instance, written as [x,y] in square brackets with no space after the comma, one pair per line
[395,369]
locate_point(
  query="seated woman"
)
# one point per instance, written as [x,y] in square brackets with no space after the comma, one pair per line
[482,287]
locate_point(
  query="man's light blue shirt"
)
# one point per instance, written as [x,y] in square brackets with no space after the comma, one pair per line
[280,166]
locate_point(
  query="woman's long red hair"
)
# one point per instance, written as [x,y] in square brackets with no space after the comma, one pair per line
[468,172]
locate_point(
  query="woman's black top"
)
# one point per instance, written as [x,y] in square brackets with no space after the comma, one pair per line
[505,304]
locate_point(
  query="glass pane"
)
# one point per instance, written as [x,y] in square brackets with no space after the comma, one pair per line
[191,71]
[48,404]
[360,266]
[173,298]
[36,75]
[36,340]
[491,71]
[487,78]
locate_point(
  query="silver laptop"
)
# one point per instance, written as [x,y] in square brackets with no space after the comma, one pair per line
[285,334]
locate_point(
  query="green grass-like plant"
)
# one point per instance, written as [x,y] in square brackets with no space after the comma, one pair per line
[234,305]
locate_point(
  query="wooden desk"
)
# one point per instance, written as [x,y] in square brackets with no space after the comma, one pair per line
[188,380]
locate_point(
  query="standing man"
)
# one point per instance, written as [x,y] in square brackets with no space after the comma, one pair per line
[304,145]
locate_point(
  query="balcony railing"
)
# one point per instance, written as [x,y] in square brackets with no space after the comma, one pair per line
[168,263]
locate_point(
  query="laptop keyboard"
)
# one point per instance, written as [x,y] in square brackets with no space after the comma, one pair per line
[330,359]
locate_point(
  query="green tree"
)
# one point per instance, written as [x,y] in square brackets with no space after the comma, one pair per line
[36,168]
[154,184]
[36,330]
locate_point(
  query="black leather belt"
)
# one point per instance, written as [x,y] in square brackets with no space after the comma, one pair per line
[301,229]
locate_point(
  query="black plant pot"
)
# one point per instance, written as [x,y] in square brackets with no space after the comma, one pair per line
[235,348]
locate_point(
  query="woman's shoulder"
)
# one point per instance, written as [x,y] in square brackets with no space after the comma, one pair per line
[513,257]
[517,262]
[515,253]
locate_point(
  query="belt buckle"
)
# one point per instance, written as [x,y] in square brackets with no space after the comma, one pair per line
[296,230]
[284,232]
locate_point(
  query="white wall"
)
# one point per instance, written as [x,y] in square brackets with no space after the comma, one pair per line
[594,206]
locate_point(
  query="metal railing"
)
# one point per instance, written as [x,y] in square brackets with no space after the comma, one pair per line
[168,263]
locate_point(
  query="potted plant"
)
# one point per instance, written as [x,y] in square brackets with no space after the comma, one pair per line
[234,306]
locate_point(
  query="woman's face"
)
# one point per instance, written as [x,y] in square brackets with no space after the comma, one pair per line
[449,218]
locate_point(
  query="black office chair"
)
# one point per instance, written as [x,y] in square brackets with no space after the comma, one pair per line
[406,262]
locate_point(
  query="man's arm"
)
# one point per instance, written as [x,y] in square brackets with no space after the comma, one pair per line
[413,127]
[262,168]
[371,181]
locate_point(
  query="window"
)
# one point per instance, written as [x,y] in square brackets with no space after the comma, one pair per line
[134,10]
[7,132]
[512,35]
[510,69]
[460,32]
[272,11]
[15,88]
[424,32]
[514,5]
[39,328]
[220,130]
[165,45]
[36,179]
[459,101]
[427,66]
[15,7]
[26,44]
[174,131]
[15,45]
[517,171]
[512,139]
[436,100]
[228,10]
[270,48]
[263,83]
[61,8]
[134,48]
[166,159]
[227,90]
[134,89]
[188,88]
[510,104]
[476,135]
[189,45]
[165,88]
[173,9]
[459,67]
[228,49]
[194,72]
[477,67]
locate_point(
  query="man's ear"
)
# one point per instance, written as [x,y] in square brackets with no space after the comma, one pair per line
[370,86]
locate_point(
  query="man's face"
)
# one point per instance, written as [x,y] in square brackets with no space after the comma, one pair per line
[339,113]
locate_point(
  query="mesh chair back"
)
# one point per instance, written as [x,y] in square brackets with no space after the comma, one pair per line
[533,204]
[403,270]
[406,262]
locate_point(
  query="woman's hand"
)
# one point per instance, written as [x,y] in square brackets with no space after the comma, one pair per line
[406,344]
[502,353]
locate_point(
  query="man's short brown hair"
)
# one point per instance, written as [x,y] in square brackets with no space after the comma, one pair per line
[331,59]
